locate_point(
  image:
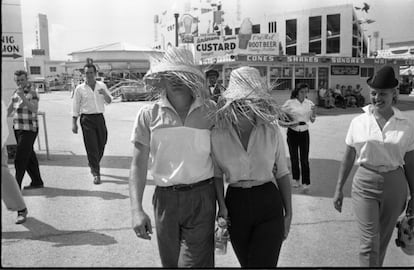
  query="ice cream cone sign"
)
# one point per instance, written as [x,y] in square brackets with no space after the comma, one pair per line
[245,33]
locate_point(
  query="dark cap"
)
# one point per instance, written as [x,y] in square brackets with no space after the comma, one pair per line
[383,79]
[212,72]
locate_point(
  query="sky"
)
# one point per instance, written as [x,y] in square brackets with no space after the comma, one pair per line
[79,24]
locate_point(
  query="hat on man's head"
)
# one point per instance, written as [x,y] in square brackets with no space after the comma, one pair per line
[212,72]
[177,62]
[383,79]
[247,91]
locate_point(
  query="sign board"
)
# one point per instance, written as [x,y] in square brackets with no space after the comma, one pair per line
[12,51]
[214,46]
[344,70]
[38,52]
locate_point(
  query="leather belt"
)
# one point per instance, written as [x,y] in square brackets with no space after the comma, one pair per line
[185,187]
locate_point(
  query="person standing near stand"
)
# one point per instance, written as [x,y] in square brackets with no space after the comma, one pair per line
[216,89]
[23,107]
[302,111]
[88,103]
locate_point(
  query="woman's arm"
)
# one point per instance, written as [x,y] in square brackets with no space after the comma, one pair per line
[286,193]
[409,174]
[344,170]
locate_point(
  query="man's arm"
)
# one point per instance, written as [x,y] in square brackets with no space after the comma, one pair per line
[106,94]
[141,223]
[409,173]
[32,105]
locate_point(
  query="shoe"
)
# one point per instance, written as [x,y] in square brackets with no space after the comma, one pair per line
[306,187]
[96,179]
[296,183]
[21,216]
[33,186]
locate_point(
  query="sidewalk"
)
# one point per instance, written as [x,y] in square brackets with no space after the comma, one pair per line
[74,223]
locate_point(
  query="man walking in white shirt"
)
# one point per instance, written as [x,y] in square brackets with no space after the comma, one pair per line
[88,103]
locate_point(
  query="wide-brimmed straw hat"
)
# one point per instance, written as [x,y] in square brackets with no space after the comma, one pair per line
[177,62]
[247,91]
[383,79]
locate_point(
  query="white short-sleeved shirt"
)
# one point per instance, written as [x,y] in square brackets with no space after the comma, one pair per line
[87,100]
[179,152]
[382,150]
[265,148]
[299,111]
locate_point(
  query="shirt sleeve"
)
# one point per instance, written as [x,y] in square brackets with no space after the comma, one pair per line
[280,156]
[349,139]
[141,131]
[76,103]
[105,88]
[411,143]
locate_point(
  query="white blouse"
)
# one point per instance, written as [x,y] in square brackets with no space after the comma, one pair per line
[382,150]
[300,111]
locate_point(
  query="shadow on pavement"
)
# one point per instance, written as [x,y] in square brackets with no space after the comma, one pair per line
[51,192]
[41,231]
[124,179]
[324,175]
[70,160]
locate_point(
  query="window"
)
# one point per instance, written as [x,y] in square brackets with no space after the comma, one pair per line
[315,30]
[315,47]
[315,33]
[256,29]
[291,37]
[333,31]
[272,27]
[35,70]
[332,45]
[367,71]
[52,69]
[236,30]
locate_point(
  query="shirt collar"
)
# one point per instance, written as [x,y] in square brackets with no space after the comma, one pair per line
[164,102]
[397,113]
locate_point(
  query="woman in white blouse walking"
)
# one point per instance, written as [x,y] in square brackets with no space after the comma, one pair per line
[382,141]
[302,111]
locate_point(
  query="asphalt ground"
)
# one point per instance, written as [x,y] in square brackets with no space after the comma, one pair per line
[74,223]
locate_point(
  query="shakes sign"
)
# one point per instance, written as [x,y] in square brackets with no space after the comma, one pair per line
[213,46]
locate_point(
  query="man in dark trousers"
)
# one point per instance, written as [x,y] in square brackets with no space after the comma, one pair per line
[23,107]
[88,103]
[215,87]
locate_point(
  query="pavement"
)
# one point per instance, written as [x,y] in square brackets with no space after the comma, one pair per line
[74,223]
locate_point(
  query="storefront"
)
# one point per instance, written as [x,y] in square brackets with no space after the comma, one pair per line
[285,72]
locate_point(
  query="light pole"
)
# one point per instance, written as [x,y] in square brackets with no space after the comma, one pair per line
[176,28]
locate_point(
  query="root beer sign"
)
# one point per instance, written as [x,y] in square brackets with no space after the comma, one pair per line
[219,46]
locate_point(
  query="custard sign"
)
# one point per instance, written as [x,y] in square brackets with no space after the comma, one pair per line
[214,46]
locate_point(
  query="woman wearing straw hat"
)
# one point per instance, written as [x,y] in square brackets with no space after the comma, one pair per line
[172,140]
[250,153]
[382,141]
[302,111]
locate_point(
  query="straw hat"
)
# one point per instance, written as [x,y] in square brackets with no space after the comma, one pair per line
[176,62]
[247,91]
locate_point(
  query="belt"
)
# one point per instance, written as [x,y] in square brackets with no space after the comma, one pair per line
[379,169]
[248,183]
[185,187]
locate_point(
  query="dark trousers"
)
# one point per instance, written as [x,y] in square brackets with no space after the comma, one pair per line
[95,136]
[298,143]
[256,224]
[26,159]
[184,221]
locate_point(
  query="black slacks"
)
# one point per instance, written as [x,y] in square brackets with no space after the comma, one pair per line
[298,143]
[26,159]
[256,224]
[95,136]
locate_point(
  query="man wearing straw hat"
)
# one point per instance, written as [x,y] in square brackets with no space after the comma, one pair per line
[171,139]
